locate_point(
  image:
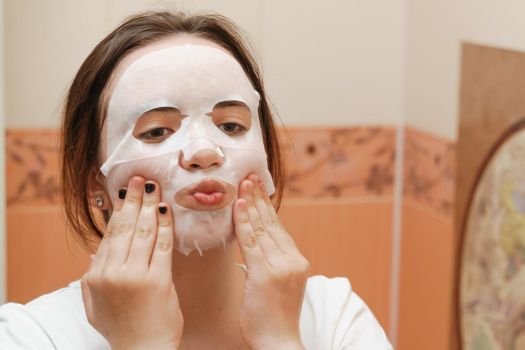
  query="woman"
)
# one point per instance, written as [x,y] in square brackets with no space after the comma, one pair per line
[167,134]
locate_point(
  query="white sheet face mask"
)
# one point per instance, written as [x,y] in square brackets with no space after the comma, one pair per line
[200,165]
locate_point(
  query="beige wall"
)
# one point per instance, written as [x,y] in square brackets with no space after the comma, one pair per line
[336,62]
[435,30]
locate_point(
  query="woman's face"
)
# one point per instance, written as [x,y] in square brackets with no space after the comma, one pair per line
[182,112]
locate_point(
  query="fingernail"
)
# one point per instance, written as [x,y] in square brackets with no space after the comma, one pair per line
[149,187]
[248,193]
[256,188]
[242,205]
[163,209]
[261,186]
[249,187]
[122,193]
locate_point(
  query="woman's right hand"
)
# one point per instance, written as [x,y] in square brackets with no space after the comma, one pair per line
[128,290]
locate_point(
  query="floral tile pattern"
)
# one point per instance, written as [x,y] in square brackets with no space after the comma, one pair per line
[429,171]
[32,167]
[339,162]
[320,162]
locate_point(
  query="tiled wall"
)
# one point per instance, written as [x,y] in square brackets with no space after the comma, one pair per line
[338,204]
[427,247]
[40,256]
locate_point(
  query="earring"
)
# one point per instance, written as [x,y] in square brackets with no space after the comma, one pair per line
[99,201]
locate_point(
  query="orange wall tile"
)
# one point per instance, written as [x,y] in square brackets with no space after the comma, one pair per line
[426,281]
[40,257]
[345,238]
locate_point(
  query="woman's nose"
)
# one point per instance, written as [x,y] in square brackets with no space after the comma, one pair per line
[202,159]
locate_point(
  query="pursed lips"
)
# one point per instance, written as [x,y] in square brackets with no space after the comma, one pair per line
[208,194]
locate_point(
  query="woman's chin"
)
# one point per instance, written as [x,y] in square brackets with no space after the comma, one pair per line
[202,230]
[201,245]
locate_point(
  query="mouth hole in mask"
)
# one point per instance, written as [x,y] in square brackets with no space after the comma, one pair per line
[158,124]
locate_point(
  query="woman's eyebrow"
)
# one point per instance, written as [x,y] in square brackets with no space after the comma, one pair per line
[231,103]
[162,109]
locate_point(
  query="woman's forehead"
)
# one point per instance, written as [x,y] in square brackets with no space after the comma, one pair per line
[170,41]
[189,76]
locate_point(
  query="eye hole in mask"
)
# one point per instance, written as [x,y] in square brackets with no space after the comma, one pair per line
[156,125]
[232,117]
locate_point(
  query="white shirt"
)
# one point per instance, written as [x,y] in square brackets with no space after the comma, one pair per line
[332,317]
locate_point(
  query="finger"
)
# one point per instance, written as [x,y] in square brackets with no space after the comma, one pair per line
[248,244]
[145,229]
[262,189]
[268,246]
[122,230]
[260,204]
[102,250]
[161,257]
[271,220]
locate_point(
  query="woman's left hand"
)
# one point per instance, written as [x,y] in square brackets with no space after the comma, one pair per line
[276,272]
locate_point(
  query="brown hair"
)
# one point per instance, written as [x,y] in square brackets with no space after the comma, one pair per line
[83,117]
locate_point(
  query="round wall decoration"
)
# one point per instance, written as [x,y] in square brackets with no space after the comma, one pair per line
[492,271]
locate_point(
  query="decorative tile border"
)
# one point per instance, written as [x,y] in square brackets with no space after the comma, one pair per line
[339,162]
[429,171]
[32,167]
[320,162]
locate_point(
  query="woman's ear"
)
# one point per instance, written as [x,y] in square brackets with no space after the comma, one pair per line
[98,196]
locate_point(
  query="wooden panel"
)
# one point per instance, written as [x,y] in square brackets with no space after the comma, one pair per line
[491,100]
[351,239]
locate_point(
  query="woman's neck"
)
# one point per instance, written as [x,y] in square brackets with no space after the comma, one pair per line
[209,288]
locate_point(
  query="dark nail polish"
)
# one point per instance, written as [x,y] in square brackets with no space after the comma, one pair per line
[163,210]
[149,187]
[122,193]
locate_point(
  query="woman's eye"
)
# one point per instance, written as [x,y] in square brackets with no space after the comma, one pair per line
[156,134]
[232,128]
